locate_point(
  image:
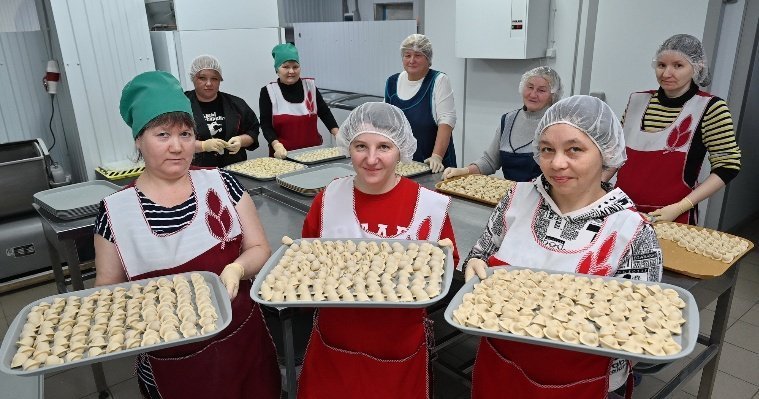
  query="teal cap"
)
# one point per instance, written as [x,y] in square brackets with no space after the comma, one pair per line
[149,95]
[284,52]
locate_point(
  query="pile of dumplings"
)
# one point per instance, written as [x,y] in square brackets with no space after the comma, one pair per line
[349,271]
[411,168]
[481,187]
[264,168]
[709,243]
[633,317]
[317,155]
[107,321]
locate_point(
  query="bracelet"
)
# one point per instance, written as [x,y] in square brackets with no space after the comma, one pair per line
[689,202]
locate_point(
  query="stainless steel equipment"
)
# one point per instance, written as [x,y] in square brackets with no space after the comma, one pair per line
[24,171]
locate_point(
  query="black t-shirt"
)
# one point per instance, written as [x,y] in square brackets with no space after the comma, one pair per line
[213,113]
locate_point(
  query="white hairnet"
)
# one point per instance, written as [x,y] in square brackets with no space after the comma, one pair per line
[554,81]
[693,51]
[595,118]
[418,42]
[380,118]
[202,62]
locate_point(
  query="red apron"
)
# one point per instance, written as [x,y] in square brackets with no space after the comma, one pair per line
[653,175]
[295,123]
[351,368]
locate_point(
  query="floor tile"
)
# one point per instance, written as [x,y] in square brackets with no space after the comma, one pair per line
[725,387]
[749,270]
[72,383]
[739,363]
[648,386]
[738,307]
[747,289]
[12,303]
[124,390]
[744,335]
[706,318]
[752,316]
[3,326]
[682,395]
[119,370]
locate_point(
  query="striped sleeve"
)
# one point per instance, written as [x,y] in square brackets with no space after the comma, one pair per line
[102,226]
[234,187]
[718,135]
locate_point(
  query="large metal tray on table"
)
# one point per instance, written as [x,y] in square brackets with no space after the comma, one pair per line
[687,339]
[295,155]
[312,180]
[275,258]
[440,186]
[219,299]
[420,169]
[239,168]
[75,201]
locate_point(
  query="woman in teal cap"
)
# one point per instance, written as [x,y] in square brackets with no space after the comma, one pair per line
[174,219]
[289,107]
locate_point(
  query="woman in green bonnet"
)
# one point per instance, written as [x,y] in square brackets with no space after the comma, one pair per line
[290,106]
[174,219]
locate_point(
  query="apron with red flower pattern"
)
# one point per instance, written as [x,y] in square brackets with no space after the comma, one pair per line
[295,123]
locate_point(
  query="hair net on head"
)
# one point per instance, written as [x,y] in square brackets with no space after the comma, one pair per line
[554,81]
[418,42]
[380,118]
[202,62]
[594,118]
[693,51]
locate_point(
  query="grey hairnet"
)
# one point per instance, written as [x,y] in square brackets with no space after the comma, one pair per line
[595,118]
[380,118]
[693,51]
[554,81]
[418,42]
[202,62]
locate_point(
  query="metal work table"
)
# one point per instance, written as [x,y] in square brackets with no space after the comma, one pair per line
[281,212]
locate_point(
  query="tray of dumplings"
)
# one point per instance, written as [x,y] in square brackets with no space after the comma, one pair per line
[311,181]
[314,155]
[355,273]
[484,189]
[697,251]
[608,316]
[263,169]
[103,323]
[411,169]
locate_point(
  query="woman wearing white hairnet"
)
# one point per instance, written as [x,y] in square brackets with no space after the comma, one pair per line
[511,148]
[225,125]
[669,131]
[373,352]
[426,98]
[566,220]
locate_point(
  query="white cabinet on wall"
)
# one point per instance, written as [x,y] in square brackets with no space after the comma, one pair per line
[502,29]
[227,14]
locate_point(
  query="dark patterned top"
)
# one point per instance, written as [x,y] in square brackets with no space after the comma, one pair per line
[168,220]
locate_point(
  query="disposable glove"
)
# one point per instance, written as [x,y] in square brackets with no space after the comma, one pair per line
[445,242]
[231,276]
[280,151]
[234,144]
[214,145]
[436,163]
[453,172]
[671,212]
[475,266]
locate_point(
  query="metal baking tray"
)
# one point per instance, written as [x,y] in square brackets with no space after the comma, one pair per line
[439,187]
[292,155]
[299,166]
[426,170]
[687,339]
[274,260]
[219,298]
[75,201]
[312,180]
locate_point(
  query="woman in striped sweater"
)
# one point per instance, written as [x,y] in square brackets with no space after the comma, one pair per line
[668,133]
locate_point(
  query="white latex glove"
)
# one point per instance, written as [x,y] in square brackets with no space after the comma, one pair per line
[453,172]
[214,145]
[436,163]
[231,276]
[280,151]
[672,211]
[445,242]
[475,266]
[234,144]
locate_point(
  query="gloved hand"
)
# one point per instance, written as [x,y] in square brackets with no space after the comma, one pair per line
[672,211]
[234,144]
[436,163]
[280,151]
[453,172]
[445,242]
[231,276]
[213,145]
[475,266]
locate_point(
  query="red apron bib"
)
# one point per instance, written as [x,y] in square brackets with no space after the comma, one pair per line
[653,175]
[295,123]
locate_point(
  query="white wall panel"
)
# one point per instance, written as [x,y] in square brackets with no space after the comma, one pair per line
[352,56]
[292,11]
[366,7]
[18,16]
[226,14]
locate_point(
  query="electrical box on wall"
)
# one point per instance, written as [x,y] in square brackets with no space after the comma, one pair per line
[502,29]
